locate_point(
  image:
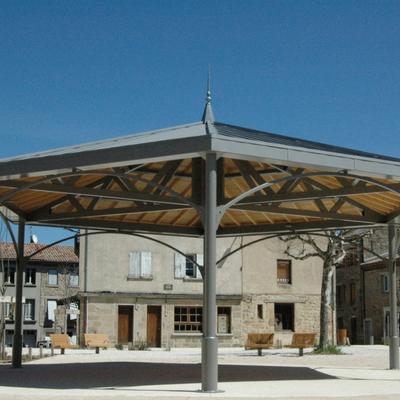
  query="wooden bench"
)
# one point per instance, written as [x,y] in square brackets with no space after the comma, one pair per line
[260,341]
[301,341]
[96,340]
[62,341]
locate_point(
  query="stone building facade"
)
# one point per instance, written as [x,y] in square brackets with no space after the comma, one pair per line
[51,275]
[141,292]
[362,294]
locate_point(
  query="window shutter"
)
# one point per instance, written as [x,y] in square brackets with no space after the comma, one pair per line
[134,267]
[200,261]
[146,264]
[73,306]
[53,277]
[180,265]
[27,310]
[51,307]
[385,283]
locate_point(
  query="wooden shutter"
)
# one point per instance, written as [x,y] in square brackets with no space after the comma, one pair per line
[145,264]
[200,261]
[134,267]
[284,271]
[180,265]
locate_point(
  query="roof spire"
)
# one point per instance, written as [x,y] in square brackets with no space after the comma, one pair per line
[208,115]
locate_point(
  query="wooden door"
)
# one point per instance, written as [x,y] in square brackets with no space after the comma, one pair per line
[125,324]
[353,338]
[154,326]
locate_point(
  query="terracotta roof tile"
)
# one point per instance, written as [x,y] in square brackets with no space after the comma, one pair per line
[54,253]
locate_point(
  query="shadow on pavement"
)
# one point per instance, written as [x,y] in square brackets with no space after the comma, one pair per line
[122,374]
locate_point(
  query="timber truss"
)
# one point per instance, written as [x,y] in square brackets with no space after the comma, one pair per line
[168,197]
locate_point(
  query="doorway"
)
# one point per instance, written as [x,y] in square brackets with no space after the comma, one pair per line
[154,326]
[368,331]
[353,332]
[125,324]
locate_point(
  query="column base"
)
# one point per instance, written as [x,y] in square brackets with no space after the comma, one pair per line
[394,352]
[209,365]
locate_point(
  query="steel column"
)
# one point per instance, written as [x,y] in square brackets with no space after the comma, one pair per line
[21,262]
[209,369]
[393,329]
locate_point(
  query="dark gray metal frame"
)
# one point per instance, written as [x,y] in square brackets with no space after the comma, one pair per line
[208,201]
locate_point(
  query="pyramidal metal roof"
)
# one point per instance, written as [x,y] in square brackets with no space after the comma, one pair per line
[153,182]
[196,138]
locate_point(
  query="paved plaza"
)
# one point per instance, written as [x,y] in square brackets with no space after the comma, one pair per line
[360,373]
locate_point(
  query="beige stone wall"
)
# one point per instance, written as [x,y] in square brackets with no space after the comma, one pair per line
[306,316]
[103,318]
[251,273]
[377,301]
[109,259]
[260,270]
[53,292]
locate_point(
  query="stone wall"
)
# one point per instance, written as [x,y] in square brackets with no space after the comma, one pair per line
[350,314]
[306,315]
[103,318]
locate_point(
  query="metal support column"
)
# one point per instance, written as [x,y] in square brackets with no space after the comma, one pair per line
[209,371]
[21,263]
[393,329]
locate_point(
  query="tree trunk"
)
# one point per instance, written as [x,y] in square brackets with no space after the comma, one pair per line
[325,304]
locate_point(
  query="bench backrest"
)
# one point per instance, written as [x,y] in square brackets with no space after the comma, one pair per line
[304,339]
[59,338]
[260,338]
[95,337]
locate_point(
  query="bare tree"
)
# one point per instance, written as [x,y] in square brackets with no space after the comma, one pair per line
[68,288]
[332,250]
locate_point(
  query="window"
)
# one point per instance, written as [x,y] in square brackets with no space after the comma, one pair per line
[353,256]
[385,283]
[53,277]
[140,265]
[224,320]
[51,307]
[188,319]
[185,267]
[29,310]
[284,317]
[74,278]
[9,275]
[284,272]
[352,292]
[30,276]
[9,311]
[340,294]
[260,313]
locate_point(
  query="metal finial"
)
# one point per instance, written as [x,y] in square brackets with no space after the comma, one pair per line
[208,98]
[208,115]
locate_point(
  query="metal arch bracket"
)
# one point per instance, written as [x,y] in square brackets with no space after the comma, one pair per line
[307,175]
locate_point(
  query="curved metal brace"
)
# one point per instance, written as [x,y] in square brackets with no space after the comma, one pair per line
[301,176]
[5,219]
[31,185]
[201,267]
[278,235]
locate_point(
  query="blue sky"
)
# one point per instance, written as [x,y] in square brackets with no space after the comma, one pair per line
[80,71]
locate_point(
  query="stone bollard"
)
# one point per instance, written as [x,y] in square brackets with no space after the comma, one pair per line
[41,351]
[30,353]
[52,350]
